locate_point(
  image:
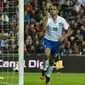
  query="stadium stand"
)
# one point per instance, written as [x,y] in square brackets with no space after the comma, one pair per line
[72,10]
[9,26]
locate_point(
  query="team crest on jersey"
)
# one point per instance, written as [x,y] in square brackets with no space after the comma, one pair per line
[61,25]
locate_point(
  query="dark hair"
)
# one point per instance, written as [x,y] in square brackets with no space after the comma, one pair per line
[55,5]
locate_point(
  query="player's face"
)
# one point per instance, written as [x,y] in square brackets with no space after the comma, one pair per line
[54,10]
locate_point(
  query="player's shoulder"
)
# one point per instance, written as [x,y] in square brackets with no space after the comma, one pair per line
[61,18]
[50,18]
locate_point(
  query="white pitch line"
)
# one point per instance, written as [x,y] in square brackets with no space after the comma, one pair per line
[7,83]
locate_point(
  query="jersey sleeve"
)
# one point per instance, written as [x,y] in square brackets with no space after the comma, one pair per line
[66,25]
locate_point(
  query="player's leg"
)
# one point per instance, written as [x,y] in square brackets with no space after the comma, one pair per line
[54,52]
[45,62]
[49,70]
[45,66]
[48,47]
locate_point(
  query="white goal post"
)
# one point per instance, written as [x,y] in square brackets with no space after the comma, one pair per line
[11,42]
[21,42]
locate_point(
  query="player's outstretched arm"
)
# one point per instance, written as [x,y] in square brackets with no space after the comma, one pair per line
[69,33]
[45,22]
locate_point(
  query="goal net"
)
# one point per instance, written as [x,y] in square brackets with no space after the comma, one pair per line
[9,42]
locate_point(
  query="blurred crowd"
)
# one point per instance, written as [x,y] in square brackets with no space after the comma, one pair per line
[9,26]
[72,10]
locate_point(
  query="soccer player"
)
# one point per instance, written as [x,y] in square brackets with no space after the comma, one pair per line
[53,28]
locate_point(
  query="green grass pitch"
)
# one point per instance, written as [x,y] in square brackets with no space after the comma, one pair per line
[56,79]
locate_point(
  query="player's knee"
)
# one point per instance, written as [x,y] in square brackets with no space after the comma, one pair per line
[47,55]
[47,52]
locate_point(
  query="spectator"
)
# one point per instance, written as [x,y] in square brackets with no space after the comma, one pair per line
[83,20]
[28,7]
[27,16]
[77,7]
[71,10]
[25,49]
[37,46]
[1,5]
[4,43]
[82,31]
[5,18]
[9,26]
[82,48]
[32,50]
[81,2]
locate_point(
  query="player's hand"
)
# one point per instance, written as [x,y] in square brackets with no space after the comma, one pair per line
[71,32]
[61,38]
[46,14]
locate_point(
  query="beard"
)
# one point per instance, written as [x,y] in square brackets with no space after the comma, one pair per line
[54,14]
